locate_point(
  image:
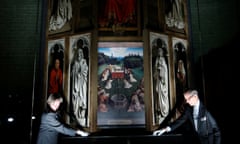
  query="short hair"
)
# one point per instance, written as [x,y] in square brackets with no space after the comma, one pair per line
[54,96]
[192,92]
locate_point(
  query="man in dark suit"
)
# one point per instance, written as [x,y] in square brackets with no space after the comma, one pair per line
[202,121]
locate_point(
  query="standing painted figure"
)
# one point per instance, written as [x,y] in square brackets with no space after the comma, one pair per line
[79,77]
[161,87]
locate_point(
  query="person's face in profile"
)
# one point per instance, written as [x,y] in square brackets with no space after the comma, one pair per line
[54,105]
[57,64]
[190,99]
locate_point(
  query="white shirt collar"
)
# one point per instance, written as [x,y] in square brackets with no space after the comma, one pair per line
[196,107]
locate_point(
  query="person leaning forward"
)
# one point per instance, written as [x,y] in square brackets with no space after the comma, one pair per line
[204,124]
[51,126]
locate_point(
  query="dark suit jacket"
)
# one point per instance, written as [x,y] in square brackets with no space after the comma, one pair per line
[208,130]
[50,127]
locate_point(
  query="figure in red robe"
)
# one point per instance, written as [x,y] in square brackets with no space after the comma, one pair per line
[117,12]
[56,78]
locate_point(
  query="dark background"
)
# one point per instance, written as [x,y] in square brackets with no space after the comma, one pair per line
[214,44]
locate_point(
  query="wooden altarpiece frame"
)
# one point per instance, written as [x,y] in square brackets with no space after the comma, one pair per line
[65,49]
[66,38]
[175,17]
[154,41]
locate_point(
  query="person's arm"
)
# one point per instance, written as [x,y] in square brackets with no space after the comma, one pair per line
[55,124]
[182,119]
[174,125]
[161,131]
[214,129]
[82,133]
[62,128]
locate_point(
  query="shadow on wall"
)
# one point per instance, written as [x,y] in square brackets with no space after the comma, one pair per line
[217,74]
